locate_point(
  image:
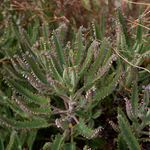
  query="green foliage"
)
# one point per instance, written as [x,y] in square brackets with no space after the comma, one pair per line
[1,144]
[14,141]
[57,142]
[36,123]
[122,143]
[70,146]
[31,138]
[135,52]
[69,85]
[136,111]
[88,133]
[11,142]
[139,32]
[128,135]
[50,74]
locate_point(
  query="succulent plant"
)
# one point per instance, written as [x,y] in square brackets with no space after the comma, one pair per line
[63,85]
[48,71]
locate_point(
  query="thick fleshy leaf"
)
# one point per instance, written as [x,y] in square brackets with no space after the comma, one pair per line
[59,51]
[134,99]
[58,140]
[128,135]
[27,94]
[37,123]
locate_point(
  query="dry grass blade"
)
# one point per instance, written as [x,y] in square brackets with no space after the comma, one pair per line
[136,3]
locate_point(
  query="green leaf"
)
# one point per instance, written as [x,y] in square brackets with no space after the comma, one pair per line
[97,31]
[79,47]
[26,93]
[70,146]
[97,144]
[29,29]
[15,31]
[87,61]
[118,38]
[2,96]
[21,63]
[57,65]
[107,90]
[47,146]
[128,135]
[97,114]
[54,70]
[15,108]
[66,77]
[1,144]
[134,99]
[129,111]
[9,41]
[91,123]
[109,79]
[59,51]
[122,143]
[135,46]
[83,129]
[14,74]
[6,35]
[114,126]
[147,43]
[34,35]
[134,129]
[139,31]
[58,140]
[14,22]
[23,136]
[107,55]
[141,48]
[35,69]
[98,59]
[37,123]
[31,138]
[81,114]
[121,113]
[17,142]
[27,38]
[129,77]
[75,134]
[95,78]
[42,44]
[89,113]
[45,32]
[122,21]
[145,120]
[124,47]
[11,141]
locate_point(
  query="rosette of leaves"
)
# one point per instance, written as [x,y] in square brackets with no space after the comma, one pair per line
[134,48]
[131,135]
[49,78]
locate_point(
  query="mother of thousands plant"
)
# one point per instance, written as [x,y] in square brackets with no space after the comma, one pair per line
[54,85]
